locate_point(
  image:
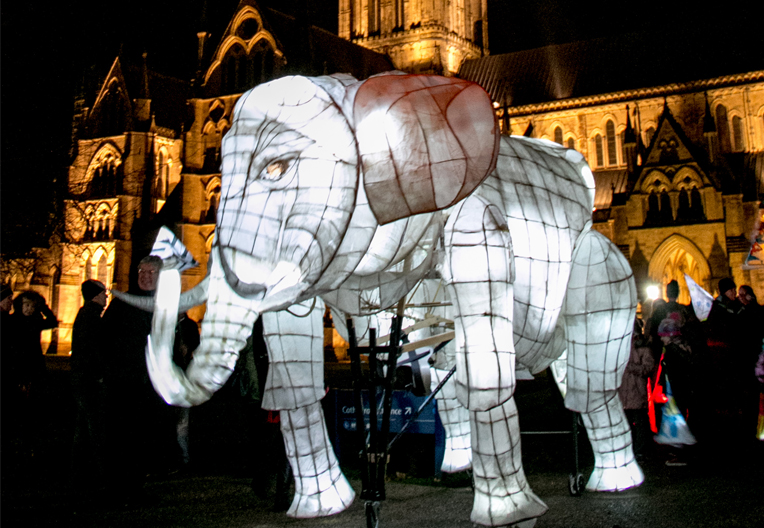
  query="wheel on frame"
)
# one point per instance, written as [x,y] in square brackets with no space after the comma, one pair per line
[372,514]
[576,484]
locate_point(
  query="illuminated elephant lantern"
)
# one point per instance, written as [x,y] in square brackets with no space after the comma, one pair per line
[340,189]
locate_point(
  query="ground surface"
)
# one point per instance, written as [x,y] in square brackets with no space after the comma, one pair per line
[722,486]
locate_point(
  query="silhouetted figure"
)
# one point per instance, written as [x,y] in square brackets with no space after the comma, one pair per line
[752,335]
[89,343]
[24,367]
[140,425]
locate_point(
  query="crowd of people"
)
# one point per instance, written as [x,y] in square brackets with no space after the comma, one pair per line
[123,432]
[700,375]
[701,378]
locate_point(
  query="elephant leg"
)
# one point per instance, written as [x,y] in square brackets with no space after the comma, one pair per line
[456,423]
[320,487]
[295,386]
[600,306]
[502,494]
[478,271]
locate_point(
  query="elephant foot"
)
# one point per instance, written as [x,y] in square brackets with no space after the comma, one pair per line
[457,456]
[519,509]
[332,500]
[616,479]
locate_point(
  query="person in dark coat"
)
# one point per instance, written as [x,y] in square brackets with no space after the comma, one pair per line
[752,336]
[24,366]
[723,323]
[663,310]
[31,315]
[140,425]
[89,343]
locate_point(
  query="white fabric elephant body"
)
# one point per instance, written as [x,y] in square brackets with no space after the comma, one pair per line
[355,191]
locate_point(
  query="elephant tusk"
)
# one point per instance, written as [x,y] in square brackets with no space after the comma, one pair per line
[144,303]
[193,297]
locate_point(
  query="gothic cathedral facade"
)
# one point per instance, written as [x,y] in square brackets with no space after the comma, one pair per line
[679,166]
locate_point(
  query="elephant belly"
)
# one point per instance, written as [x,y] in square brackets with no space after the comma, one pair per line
[539,291]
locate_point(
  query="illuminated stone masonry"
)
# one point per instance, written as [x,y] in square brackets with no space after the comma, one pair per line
[419,36]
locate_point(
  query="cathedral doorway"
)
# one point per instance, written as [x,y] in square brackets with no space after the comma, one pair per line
[674,257]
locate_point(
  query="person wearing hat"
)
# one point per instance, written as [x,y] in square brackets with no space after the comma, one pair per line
[723,323]
[88,342]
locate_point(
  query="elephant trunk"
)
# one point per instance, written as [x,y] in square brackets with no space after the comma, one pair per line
[227,324]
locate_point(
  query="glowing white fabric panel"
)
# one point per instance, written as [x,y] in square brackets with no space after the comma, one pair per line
[456,423]
[320,487]
[295,341]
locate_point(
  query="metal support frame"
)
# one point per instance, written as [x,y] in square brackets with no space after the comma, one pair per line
[379,384]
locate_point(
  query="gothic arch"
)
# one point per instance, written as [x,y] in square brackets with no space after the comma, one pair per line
[233,39]
[687,173]
[557,132]
[102,172]
[676,256]
[163,173]
[212,194]
[208,242]
[98,264]
[656,181]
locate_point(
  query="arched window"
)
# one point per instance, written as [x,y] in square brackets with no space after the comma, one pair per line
[722,128]
[242,70]
[653,209]
[103,183]
[696,205]
[737,133]
[571,143]
[213,197]
[162,182]
[233,69]
[612,155]
[598,150]
[87,273]
[683,210]
[558,135]
[102,270]
[211,142]
[667,216]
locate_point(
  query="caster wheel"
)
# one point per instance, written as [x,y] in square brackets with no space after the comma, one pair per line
[372,514]
[576,484]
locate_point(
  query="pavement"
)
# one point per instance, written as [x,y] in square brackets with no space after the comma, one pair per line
[722,486]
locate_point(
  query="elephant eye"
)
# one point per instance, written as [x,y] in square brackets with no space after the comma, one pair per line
[275,170]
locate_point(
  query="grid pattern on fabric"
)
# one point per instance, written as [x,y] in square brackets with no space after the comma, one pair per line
[320,487]
[296,356]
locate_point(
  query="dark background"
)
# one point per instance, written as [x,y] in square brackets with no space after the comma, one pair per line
[47,46]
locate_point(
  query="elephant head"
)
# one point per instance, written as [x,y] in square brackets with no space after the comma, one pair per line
[307,161]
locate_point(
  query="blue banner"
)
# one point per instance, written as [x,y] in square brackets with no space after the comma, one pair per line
[404,407]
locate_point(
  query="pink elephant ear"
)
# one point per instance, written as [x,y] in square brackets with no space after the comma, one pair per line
[425,142]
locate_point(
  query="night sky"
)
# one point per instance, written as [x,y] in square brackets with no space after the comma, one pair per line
[46,46]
